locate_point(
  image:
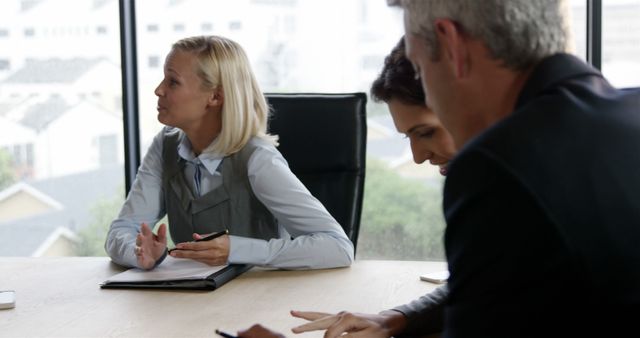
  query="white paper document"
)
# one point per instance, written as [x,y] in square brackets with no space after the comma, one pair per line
[170,269]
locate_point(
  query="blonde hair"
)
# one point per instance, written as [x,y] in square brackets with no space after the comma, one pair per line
[223,63]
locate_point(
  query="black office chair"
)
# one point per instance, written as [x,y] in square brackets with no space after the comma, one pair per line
[323,138]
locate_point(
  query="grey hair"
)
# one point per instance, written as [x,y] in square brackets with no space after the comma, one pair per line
[518,32]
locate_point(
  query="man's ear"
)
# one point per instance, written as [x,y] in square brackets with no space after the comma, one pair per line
[216,98]
[454,46]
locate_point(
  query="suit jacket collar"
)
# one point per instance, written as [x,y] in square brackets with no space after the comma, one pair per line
[551,70]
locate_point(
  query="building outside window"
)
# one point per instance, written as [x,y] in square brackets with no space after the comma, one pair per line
[61,150]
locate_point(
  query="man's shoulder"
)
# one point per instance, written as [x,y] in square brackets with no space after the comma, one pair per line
[559,147]
[562,123]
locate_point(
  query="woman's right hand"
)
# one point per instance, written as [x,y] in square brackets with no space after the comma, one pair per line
[386,324]
[149,246]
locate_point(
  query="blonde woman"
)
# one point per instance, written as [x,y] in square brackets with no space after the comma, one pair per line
[214,167]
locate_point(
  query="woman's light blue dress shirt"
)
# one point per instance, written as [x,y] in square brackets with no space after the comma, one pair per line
[319,241]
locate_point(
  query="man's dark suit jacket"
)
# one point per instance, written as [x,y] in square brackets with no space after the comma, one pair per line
[543,213]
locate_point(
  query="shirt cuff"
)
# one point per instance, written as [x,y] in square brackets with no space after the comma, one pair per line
[426,314]
[161,259]
[129,258]
[244,250]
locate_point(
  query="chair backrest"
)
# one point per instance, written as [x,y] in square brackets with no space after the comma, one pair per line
[323,138]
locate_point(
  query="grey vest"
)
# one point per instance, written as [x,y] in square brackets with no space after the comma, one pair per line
[233,205]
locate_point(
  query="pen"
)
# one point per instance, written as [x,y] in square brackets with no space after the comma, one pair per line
[224,334]
[207,238]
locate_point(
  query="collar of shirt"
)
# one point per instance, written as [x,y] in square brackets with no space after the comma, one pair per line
[210,161]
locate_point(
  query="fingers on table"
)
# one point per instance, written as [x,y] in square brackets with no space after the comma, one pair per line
[309,315]
[321,323]
[203,255]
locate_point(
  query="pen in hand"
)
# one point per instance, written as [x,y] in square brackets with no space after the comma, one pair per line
[207,238]
[224,334]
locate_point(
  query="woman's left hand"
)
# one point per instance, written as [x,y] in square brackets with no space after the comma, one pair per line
[360,325]
[213,252]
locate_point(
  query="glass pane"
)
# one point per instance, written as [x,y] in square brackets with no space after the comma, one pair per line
[621,42]
[579,27]
[61,143]
[293,49]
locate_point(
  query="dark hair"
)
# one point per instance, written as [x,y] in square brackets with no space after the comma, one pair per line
[397,79]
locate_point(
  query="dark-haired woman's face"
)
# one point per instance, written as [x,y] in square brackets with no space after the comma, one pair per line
[429,140]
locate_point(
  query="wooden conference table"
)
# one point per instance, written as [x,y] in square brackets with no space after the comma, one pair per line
[61,297]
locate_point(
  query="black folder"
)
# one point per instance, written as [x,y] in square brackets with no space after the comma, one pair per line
[210,282]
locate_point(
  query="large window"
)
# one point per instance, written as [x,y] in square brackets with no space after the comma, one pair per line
[61,121]
[621,42]
[578,9]
[61,144]
[293,49]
